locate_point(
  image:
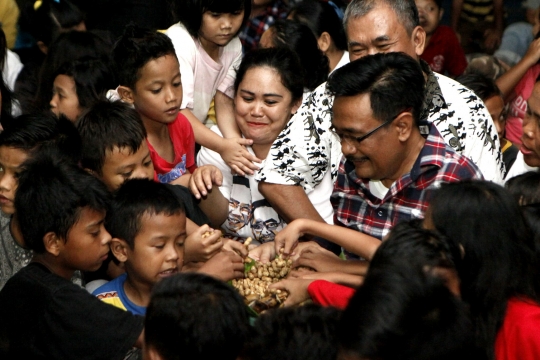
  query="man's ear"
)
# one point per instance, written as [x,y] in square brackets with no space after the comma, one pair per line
[419,40]
[119,249]
[324,41]
[126,94]
[53,244]
[404,124]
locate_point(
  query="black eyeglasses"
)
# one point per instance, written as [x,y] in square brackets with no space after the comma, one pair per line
[355,141]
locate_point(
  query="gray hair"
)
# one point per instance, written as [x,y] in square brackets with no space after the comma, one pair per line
[405,10]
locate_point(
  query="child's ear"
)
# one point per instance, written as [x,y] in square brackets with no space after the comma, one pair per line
[324,41]
[42,47]
[126,94]
[53,244]
[151,353]
[119,249]
[441,13]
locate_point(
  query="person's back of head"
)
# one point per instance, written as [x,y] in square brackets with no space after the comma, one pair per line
[194,316]
[525,188]
[190,12]
[51,195]
[106,126]
[305,332]
[405,10]
[135,48]
[46,19]
[300,39]
[34,132]
[321,17]
[401,312]
[394,82]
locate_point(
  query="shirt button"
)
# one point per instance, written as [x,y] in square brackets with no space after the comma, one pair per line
[380,213]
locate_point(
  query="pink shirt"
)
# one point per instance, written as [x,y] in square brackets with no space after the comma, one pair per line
[518,106]
[201,75]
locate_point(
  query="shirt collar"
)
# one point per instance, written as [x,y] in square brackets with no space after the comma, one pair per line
[433,97]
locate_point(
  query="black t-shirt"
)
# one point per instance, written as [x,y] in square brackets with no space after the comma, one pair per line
[44,316]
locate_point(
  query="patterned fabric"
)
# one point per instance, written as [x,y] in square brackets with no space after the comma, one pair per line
[255,27]
[12,256]
[305,150]
[357,208]
[113,293]
[464,123]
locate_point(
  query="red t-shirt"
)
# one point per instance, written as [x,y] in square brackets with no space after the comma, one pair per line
[443,53]
[519,336]
[183,141]
[326,293]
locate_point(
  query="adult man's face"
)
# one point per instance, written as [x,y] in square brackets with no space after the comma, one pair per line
[377,157]
[531,129]
[380,31]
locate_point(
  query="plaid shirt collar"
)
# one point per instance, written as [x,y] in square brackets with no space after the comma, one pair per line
[432,155]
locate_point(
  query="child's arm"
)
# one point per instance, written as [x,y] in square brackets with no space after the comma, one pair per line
[354,241]
[457,5]
[225,116]
[232,151]
[493,36]
[508,81]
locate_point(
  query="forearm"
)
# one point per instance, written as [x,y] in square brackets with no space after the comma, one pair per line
[225,116]
[203,135]
[354,241]
[289,201]
[215,206]
[508,81]
[498,14]
[457,5]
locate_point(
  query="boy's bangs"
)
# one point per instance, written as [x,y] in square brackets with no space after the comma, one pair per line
[221,6]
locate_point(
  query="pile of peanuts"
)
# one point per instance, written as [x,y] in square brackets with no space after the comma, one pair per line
[255,285]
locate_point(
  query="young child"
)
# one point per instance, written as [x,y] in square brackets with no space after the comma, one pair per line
[195,316]
[78,85]
[209,51]
[148,226]
[61,211]
[149,77]
[26,137]
[114,149]
[486,89]
[443,52]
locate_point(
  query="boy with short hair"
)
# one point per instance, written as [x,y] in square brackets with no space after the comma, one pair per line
[193,316]
[149,75]
[114,149]
[25,137]
[443,52]
[61,210]
[148,226]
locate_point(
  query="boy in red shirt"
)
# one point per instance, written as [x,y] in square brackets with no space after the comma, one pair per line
[443,52]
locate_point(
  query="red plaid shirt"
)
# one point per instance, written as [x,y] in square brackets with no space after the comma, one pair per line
[356,208]
[255,27]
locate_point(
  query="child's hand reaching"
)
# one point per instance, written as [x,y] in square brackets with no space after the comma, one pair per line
[235,246]
[237,157]
[200,246]
[225,265]
[202,180]
[297,289]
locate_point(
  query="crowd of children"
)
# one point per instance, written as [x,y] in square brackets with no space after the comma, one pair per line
[135,164]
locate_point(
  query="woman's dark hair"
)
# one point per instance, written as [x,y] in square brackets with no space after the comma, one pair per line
[190,12]
[299,38]
[525,188]
[321,17]
[499,259]
[92,79]
[68,47]
[282,60]
[135,48]
[46,21]
[483,86]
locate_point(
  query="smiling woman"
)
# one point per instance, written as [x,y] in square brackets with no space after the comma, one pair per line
[268,91]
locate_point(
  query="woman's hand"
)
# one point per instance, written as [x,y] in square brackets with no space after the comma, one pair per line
[198,247]
[202,180]
[297,289]
[234,153]
[263,253]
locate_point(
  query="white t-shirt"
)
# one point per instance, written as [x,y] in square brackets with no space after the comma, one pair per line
[201,75]
[519,167]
